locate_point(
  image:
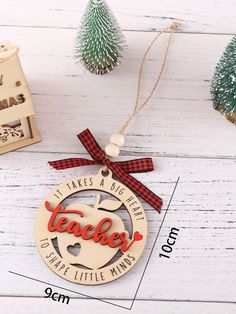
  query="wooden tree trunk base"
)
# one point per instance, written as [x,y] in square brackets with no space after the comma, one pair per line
[230,116]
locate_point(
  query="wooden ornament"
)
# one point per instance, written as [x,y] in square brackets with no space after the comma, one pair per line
[90,245]
[17,128]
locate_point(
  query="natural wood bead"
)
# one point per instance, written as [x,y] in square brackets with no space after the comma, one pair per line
[117,139]
[112,150]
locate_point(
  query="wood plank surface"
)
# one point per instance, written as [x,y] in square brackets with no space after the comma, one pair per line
[201,16]
[180,117]
[31,305]
[179,129]
[203,209]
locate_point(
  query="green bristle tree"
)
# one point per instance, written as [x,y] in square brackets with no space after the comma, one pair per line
[223,85]
[100,42]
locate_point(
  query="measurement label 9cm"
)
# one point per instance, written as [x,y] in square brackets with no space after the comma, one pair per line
[57,297]
[171,240]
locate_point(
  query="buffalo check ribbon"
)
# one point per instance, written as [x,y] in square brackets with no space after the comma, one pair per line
[120,169]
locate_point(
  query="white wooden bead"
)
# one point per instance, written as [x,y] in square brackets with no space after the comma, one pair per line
[117,139]
[112,150]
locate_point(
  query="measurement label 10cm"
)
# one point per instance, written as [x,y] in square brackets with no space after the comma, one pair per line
[167,248]
[56,296]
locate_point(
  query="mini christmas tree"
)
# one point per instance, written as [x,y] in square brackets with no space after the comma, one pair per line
[100,42]
[223,85]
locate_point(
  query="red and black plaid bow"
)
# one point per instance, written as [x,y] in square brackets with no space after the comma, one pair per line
[120,169]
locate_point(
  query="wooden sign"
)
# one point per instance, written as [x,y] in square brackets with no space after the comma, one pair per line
[17,128]
[91,245]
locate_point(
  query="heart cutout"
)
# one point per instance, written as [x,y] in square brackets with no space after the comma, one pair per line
[137,236]
[74,249]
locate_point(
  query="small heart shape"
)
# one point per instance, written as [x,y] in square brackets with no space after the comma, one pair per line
[137,236]
[74,249]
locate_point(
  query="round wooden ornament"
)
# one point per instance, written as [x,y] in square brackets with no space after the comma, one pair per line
[90,245]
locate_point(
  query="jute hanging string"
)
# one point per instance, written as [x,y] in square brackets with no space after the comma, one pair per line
[138,107]
[122,169]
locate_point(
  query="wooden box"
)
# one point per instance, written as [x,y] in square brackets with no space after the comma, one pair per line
[17,128]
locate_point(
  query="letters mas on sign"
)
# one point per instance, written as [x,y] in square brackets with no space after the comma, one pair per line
[15,99]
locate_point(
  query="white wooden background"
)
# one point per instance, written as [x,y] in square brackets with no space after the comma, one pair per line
[186,137]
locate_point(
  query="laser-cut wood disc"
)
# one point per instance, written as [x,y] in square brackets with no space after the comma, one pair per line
[79,242]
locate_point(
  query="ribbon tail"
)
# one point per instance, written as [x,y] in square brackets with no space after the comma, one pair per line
[91,145]
[136,165]
[71,163]
[137,187]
